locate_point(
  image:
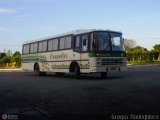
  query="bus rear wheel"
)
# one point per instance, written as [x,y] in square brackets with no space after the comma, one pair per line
[37,71]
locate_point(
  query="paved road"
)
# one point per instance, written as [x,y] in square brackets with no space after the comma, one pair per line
[135,91]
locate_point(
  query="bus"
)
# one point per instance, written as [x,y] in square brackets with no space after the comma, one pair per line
[79,51]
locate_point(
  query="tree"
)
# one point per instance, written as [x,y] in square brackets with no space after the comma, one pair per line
[139,49]
[129,44]
[156,48]
[2,55]
[17,58]
[16,53]
[7,59]
[9,53]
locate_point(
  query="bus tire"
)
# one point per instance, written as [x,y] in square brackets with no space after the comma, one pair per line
[103,74]
[37,71]
[77,71]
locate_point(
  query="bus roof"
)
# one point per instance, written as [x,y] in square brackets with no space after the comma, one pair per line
[74,32]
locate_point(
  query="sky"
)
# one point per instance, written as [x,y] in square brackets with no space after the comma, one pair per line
[23,20]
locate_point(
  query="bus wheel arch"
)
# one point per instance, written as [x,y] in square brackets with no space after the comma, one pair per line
[104,74]
[74,67]
[36,65]
[37,70]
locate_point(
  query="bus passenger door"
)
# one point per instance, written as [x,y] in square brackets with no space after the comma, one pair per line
[84,43]
[77,48]
[81,48]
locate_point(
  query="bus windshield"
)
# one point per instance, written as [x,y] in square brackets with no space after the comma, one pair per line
[116,42]
[106,41]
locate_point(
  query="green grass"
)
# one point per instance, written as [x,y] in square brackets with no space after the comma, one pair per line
[143,62]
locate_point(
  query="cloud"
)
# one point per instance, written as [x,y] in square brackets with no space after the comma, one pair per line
[6,10]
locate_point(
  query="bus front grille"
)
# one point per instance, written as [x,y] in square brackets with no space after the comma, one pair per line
[112,61]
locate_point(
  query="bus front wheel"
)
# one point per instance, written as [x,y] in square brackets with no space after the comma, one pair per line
[103,74]
[77,71]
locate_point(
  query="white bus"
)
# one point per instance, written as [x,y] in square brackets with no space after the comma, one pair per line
[79,51]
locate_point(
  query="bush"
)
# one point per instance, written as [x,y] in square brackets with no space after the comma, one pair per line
[143,56]
[11,61]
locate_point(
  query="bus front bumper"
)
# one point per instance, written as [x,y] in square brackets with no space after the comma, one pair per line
[106,68]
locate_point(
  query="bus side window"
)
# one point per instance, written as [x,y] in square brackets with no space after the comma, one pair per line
[68,42]
[31,48]
[35,46]
[62,43]
[55,44]
[77,42]
[44,46]
[40,49]
[50,45]
[84,42]
[65,42]
[26,49]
